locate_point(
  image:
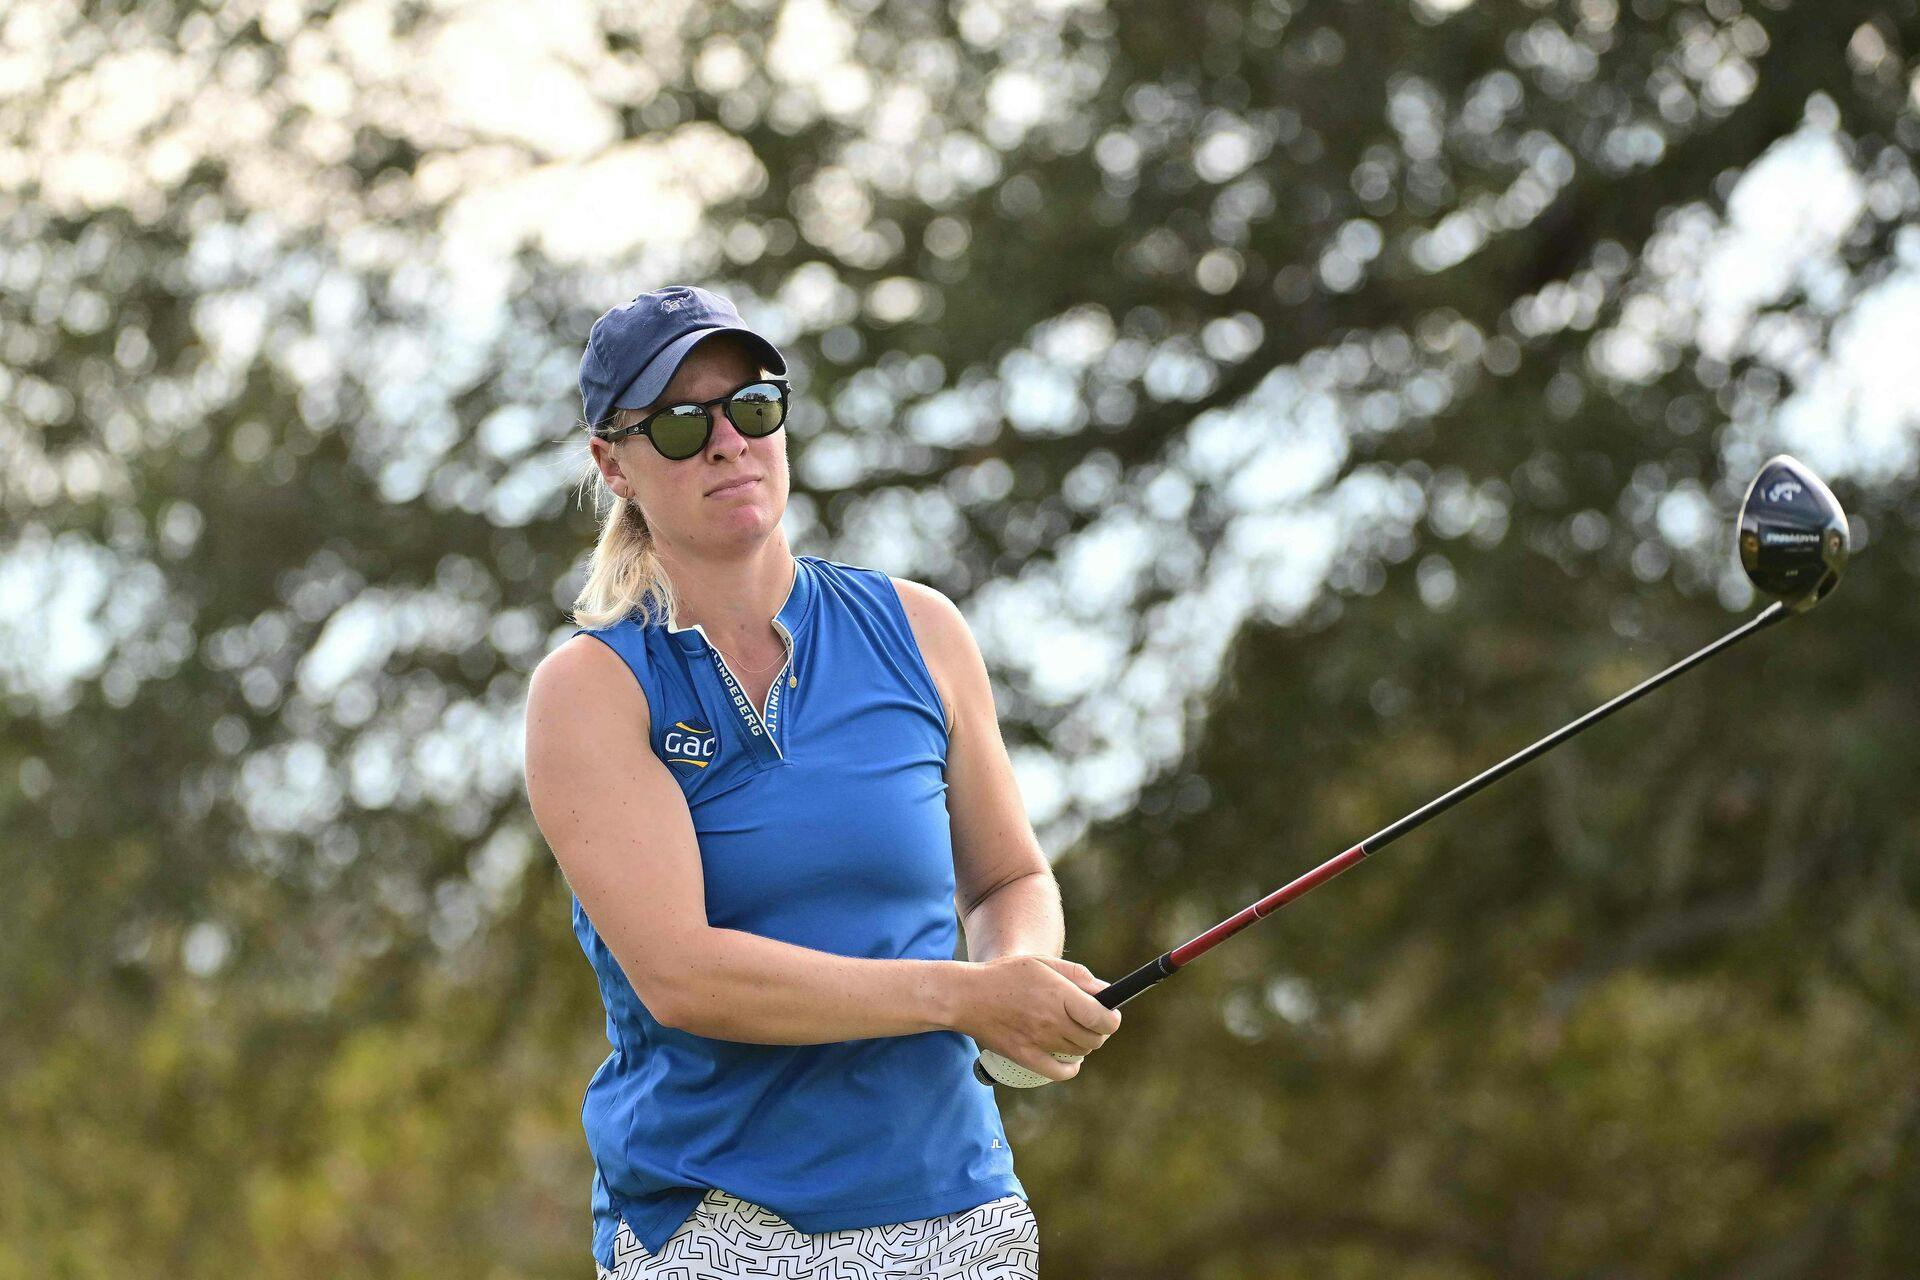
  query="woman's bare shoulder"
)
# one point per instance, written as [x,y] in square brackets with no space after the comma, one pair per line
[926,605]
[584,676]
[941,631]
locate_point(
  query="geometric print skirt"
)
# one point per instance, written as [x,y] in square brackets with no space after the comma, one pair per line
[726,1237]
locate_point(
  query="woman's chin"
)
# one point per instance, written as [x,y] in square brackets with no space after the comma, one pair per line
[743,523]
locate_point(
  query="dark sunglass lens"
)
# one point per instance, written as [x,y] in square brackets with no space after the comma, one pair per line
[757,410]
[679,432]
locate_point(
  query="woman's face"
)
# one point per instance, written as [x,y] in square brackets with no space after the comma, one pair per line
[678,497]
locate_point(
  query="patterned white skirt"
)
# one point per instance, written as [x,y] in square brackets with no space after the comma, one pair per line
[725,1237]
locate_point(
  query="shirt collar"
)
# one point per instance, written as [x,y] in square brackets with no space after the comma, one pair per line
[791,616]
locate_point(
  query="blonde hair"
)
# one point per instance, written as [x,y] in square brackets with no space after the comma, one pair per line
[625,574]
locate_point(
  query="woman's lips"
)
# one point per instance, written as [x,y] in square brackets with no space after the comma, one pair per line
[738,486]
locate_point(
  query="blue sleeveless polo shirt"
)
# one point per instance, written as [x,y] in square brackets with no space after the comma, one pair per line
[822,822]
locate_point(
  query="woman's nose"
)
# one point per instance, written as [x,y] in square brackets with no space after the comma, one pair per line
[725,434]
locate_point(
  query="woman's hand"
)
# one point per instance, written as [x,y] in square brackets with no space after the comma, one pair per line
[1029,1007]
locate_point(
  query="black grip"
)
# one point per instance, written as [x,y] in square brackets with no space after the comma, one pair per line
[1118,993]
[980,1073]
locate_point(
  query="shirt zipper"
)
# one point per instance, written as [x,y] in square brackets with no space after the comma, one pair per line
[733,684]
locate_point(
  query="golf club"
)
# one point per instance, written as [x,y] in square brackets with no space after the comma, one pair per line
[1793,544]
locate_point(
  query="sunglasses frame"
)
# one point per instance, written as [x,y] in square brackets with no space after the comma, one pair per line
[645,425]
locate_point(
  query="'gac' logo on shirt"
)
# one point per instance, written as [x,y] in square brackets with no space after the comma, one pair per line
[693,744]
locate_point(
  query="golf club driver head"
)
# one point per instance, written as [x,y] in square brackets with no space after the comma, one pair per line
[1793,534]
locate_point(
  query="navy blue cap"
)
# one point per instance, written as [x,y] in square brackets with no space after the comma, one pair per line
[634,349]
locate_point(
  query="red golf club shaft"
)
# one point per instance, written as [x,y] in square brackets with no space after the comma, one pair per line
[1165,966]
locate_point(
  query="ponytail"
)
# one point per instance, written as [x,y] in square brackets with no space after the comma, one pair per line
[625,574]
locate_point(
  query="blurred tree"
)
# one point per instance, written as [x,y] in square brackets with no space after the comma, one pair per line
[1365,387]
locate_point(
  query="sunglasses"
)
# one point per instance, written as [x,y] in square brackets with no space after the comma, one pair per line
[681,430]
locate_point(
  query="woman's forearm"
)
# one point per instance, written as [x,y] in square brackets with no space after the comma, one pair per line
[1021,917]
[741,986]
[757,990]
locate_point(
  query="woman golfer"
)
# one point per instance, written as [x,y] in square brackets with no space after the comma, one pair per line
[770,782]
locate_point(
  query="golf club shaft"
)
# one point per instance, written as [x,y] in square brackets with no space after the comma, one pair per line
[1165,966]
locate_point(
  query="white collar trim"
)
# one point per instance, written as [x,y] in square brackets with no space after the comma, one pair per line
[673,630]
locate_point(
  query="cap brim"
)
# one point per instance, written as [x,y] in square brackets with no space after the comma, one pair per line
[651,381]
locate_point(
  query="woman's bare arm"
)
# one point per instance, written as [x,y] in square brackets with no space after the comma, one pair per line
[1005,893]
[619,826]
[621,831]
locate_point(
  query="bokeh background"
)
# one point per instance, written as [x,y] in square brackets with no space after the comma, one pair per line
[1308,401]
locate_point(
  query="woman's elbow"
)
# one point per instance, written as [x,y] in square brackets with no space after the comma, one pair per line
[668,992]
[697,1002]
[688,1011]
[665,1011]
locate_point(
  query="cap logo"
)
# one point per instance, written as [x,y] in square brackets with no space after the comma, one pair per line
[633,349]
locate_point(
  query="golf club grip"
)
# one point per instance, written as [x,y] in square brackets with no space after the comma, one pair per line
[1113,995]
